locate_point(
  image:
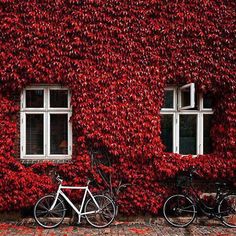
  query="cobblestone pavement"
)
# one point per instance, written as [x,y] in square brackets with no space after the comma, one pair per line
[128,227]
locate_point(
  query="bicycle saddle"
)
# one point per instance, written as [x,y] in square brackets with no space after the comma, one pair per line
[220,184]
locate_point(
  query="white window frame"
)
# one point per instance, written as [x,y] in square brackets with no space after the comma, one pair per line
[46,111]
[172,88]
[176,112]
[191,86]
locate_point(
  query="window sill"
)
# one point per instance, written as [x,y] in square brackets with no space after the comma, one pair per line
[196,155]
[30,161]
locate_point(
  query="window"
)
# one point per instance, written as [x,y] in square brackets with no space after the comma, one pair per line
[186,95]
[46,131]
[186,120]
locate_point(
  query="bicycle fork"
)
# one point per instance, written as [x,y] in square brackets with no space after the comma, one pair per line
[56,198]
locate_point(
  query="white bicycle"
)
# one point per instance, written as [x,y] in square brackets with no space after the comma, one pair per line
[50,210]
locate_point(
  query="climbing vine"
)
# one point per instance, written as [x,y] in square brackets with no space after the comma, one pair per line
[116,57]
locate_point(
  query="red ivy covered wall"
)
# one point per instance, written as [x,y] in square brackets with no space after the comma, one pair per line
[116,57]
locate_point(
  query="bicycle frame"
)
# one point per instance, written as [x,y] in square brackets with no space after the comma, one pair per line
[205,209]
[79,212]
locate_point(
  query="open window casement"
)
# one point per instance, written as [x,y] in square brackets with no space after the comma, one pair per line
[186,97]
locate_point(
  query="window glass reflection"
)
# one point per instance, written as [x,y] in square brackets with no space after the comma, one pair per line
[167,132]
[207,101]
[207,123]
[188,134]
[34,98]
[58,134]
[34,134]
[59,98]
[168,99]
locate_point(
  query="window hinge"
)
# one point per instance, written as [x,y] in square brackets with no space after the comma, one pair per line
[22,148]
[22,120]
[176,120]
[176,149]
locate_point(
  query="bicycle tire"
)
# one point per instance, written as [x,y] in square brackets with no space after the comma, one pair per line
[105,216]
[228,205]
[171,211]
[114,201]
[46,218]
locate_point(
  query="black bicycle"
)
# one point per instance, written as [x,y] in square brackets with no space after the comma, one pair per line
[180,209]
[107,179]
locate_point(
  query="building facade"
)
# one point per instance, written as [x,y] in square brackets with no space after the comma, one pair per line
[148,84]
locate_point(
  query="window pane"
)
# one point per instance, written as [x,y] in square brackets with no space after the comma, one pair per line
[168,102]
[207,142]
[167,132]
[34,134]
[196,105]
[188,134]
[185,97]
[58,134]
[34,98]
[207,101]
[58,98]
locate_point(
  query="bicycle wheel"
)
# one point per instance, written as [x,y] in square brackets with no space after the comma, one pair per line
[227,209]
[103,217]
[46,218]
[179,210]
[113,199]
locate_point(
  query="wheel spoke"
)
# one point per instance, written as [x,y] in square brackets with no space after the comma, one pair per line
[43,206]
[179,210]
[57,205]
[106,213]
[60,210]
[46,218]
[47,203]
[41,212]
[106,205]
[187,211]
[57,212]
[227,209]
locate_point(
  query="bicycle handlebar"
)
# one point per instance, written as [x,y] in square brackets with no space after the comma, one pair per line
[192,171]
[58,178]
